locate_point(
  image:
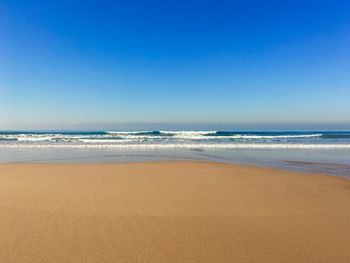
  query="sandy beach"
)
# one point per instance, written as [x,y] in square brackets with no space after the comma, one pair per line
[171,212]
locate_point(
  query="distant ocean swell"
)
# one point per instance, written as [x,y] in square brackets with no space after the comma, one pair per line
[177,139]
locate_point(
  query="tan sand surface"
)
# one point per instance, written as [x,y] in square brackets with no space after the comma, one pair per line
[171,212]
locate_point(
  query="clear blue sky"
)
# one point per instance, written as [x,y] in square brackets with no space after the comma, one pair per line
[98,63]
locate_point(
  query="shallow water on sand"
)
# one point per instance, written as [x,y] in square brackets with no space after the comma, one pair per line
[326,161]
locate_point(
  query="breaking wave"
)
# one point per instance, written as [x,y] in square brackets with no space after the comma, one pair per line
[177,139]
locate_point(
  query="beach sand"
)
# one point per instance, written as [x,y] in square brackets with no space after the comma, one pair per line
[171,212]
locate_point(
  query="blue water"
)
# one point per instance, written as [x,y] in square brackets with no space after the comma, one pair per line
[178,139]
[326,152]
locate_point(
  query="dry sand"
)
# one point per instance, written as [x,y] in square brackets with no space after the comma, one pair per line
[171,212]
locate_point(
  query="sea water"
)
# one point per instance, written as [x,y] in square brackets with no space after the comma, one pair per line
[312,151]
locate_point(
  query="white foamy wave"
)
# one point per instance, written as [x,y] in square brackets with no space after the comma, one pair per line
[192,135]
[34,138]
[271,136]
[104,141]
[153,136]
[127,132]
[211,135]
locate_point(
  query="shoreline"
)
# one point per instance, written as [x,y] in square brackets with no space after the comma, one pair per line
[292,160]
[233,164]
[171,211]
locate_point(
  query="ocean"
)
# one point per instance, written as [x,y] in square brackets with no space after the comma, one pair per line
[177,139]
[312,151]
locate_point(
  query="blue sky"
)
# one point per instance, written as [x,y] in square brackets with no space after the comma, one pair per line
[95,64]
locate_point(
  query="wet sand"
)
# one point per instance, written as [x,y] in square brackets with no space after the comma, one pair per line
[171,212]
